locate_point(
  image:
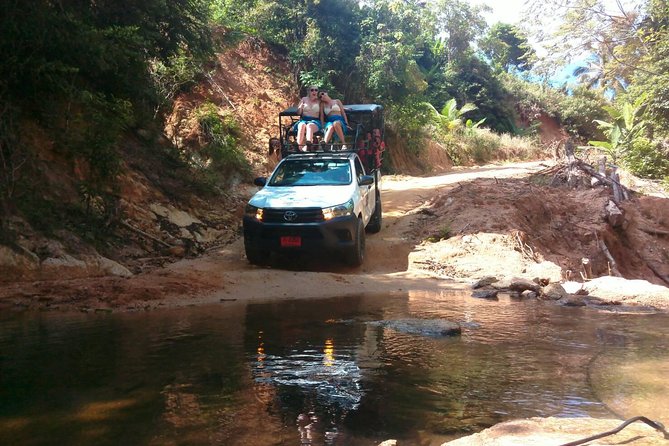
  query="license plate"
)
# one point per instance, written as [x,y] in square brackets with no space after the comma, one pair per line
[291,241]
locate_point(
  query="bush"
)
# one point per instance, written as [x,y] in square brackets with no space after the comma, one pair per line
[479,146]
[220,158]
[647,159]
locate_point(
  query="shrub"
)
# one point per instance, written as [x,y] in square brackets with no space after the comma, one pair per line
[220,158]
[647,159]
[481,145]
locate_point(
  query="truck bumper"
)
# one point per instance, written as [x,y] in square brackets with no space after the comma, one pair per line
[333,235]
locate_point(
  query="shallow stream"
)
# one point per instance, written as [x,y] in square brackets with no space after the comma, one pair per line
[322,372]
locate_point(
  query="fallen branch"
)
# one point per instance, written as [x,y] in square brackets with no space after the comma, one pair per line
[652,231]
[612,262]
[127,225]
[220,90]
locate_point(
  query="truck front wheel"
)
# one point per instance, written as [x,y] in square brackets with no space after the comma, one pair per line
[356,255]
[256,256]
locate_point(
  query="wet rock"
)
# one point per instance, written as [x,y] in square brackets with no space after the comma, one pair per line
[388,443]
[502,284]
[553,291]
[485,294]
[521,285]
[573,300]
[528,294]
[484,281]
[543,281]
[422,327]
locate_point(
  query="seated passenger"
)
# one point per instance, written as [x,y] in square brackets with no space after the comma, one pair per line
[310,121]
[336,120]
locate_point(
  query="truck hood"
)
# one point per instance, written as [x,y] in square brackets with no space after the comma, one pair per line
[302,196]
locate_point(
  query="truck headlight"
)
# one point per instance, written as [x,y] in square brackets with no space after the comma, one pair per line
[340,210]
[253,212]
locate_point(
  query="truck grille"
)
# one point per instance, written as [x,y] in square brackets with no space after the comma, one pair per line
[299,215]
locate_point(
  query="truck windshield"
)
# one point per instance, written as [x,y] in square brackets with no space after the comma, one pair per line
[312,172]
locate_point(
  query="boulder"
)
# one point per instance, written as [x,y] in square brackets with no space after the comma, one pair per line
[553,291]
[422,327]
[175,216]
[485,294]
[573,300]
[556,431]
[528,294]
[484,281]
[520,285]
[17,265]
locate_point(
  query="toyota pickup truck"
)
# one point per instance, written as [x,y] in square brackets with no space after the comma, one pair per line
[317,202]
[320,201]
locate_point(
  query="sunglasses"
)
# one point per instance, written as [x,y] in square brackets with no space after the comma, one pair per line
[314,89]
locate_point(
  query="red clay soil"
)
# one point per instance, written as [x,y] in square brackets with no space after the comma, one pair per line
[559,225]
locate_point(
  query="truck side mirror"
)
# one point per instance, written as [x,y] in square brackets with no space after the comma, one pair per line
[366,180]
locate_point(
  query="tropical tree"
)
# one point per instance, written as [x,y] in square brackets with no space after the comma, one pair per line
[460,24]
[626,126]
[450,117]
[588,28]
[507,48]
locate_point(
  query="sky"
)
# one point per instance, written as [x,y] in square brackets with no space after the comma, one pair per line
[506,11]
[511,11]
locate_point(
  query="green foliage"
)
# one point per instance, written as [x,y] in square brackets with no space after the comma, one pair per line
[465,147]
[652,79]
[408,120]
[443,233]
[625,127]
[647,159]
[472,81]
[507,48]
[578,110]
[392,34]
[84,73]
[174,75]
[220,159]
[450,117]
[462,24]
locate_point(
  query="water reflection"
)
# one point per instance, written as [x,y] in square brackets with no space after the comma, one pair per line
[320,372]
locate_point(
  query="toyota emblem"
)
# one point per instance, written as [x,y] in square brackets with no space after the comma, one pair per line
[290,216]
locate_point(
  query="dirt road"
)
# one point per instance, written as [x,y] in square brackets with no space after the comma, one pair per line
[224,273]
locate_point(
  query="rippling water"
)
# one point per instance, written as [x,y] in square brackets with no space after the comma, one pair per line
[322,372]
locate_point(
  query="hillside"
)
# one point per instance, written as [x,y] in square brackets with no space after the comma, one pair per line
[165,213]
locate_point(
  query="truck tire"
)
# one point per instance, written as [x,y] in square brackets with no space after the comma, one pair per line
[356,255]
[256,256]
[374,224]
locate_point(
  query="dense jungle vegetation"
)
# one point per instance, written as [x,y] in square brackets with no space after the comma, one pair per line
[80,76]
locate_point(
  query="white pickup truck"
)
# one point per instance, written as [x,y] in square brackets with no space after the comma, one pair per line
[317,202]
